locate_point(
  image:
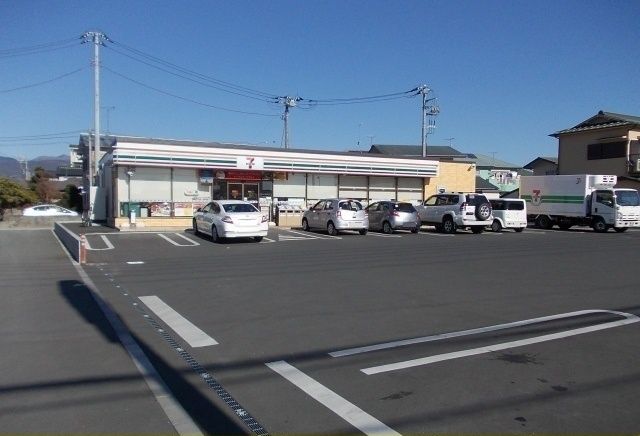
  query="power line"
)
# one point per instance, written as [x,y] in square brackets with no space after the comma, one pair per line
[33,85]
[41,136]
[220,84]
[267,99]
[144,85]
[40,48]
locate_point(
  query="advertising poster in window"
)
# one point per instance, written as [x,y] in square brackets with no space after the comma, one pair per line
[183,209]
[160,209]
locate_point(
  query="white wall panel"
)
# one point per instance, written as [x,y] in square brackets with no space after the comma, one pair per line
[322,186]
[185,185]
[151,184]
[293,187]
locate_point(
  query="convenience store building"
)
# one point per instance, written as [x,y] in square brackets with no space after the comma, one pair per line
[160,182]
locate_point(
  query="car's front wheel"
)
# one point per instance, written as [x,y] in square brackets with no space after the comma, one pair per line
[195,227]
[362,231]
[599,225]
[305,225]
[257,238]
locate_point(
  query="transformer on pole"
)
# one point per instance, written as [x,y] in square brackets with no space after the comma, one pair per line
[430,110]
[288,103]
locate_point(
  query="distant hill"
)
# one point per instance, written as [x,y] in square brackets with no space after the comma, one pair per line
[49,163]
[10,167]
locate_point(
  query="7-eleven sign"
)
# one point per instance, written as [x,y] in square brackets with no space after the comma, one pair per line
[250,163]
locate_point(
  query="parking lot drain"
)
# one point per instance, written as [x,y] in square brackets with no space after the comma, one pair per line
[221,392]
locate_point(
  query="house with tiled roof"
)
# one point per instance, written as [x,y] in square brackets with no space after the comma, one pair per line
[543,166]
[606,143]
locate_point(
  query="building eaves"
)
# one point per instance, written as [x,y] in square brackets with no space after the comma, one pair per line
[107,142]
[602,120]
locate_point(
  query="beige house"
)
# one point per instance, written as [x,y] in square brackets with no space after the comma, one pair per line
[606,143]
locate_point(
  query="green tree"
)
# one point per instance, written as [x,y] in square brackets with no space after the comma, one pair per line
[12,194]
[71,198]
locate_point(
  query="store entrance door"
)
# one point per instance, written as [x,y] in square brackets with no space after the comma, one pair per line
[244,191]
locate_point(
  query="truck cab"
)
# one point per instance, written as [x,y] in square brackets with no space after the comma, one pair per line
[614,208]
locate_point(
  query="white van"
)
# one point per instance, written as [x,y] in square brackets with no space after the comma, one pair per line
[509,213]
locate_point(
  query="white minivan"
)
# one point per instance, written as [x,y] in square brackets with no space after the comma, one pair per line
[508,213]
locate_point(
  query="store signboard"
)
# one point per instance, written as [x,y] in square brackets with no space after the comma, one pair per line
[250,163]
[238,175]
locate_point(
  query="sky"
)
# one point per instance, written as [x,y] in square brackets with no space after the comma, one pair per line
[505,74]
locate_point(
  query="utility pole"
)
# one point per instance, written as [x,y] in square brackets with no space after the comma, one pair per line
[288,103]
[98,39]
[429,112]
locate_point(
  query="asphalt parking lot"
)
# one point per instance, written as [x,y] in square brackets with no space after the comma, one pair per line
[532,332]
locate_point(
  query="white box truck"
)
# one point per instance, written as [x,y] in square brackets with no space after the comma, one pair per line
[580,199]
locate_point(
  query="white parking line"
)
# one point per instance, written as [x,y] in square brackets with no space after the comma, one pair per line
[493,328]
[182,326]
[313,235]
[629,319]
[383,235]
[192,243]
[334,402]
[109,245]
[435,234]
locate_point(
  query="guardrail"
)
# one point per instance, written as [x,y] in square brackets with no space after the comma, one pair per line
[75,245]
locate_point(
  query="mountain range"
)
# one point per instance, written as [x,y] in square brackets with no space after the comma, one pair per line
[10,167]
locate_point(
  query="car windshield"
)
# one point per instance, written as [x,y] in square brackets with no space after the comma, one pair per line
[627,198]
[239,208]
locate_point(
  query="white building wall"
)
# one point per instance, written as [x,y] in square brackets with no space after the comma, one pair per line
[186,186]
[321,186]
[353,187]
[151,184]
[382,188]
[292,187]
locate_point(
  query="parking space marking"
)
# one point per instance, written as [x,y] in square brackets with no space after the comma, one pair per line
[435,234]
[383,235]
[334,402]
[493,328]
[109,245]
[629,319]
[191,243]
[313,235]
[179,324]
